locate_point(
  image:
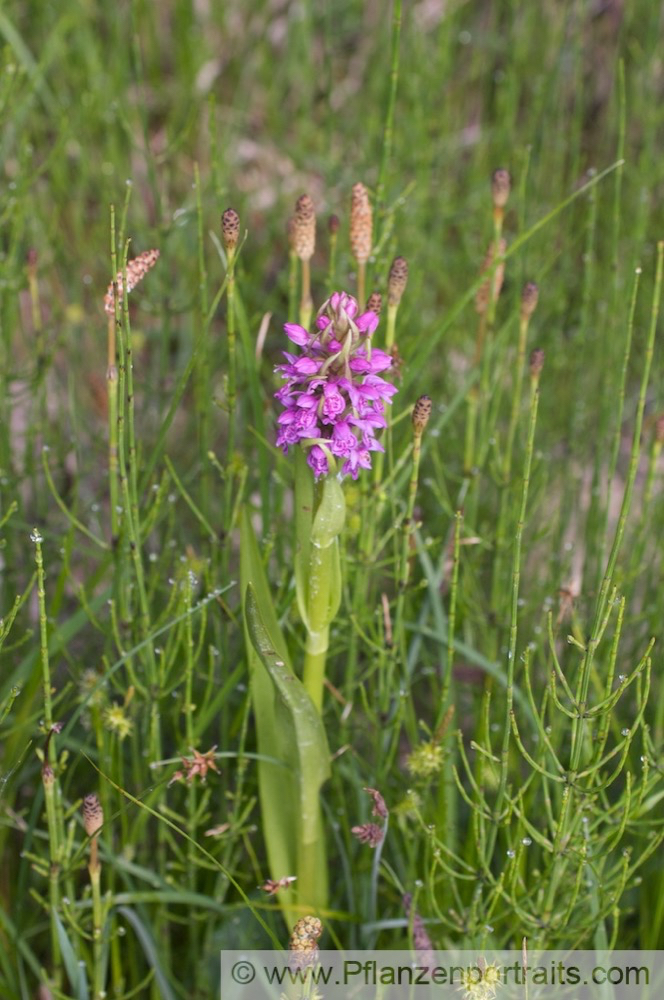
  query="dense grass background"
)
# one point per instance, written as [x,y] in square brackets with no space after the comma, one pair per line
[268,100]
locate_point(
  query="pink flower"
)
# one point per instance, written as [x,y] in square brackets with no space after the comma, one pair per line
[333,402]
[297,334]
[317,461]
[333,397]
[378,362]
[343,439]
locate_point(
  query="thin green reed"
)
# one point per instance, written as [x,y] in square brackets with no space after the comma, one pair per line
[112,392]
[129,482]
[580,724]
[230,230]
[619,410]
[54,818]
[388,132]
[203,372]
[536,362]
[529,297]
[420,417]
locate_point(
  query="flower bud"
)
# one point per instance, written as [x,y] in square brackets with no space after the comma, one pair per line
[501,183]
[333,224]
[536,362]
[397,281]
[375,303]
[304,228]
[529,299]
[361,224]
[93,815]
[421,413]
[230,229]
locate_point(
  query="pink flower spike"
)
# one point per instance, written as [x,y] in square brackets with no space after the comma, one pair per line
[333,397]
[297,334]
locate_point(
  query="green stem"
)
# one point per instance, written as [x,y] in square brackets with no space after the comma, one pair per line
[332,263]
[361,284]
[97,926]
[293,261]
[391,105]
[306,302]
[203,394]
[501,528]
[514,611]
[318,571]
[407,529]
[48,776]
[43,636]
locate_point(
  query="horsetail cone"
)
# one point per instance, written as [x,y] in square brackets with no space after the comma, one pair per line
[93,815]
[304,228]
[501,184]
[375,303]
[230,229]
[529,299]
[361,224]
[421,414]
[333,224]
[536,362]
[136,270]
[397,280]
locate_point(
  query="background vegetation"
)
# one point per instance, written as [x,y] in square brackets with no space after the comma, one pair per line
[171,112]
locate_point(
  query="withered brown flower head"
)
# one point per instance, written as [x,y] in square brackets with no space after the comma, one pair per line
[368,833]
[379,807]
[272,886]
[196,767]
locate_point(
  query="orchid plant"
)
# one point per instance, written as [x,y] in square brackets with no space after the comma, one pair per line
[334,407]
